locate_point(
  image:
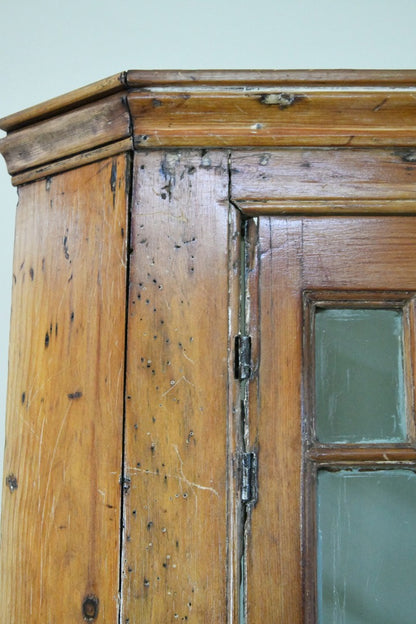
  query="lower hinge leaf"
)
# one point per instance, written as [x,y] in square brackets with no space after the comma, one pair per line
[249,478]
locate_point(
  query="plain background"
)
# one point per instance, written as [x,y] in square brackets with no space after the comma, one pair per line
[49,47]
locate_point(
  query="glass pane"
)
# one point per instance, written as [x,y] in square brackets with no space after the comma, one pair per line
[359,376]
[366,547]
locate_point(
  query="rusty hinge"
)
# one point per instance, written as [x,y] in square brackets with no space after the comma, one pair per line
[242,362]
[249,477]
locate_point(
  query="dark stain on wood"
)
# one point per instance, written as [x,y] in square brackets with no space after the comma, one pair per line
[75,395]
[90,607]
[65,243]
[113,178]
[11,482]
[407,156]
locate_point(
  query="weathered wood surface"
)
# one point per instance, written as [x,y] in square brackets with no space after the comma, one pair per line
[79,160]
[217,109]
[328,181]
[273,117]
[62,103]
[266,77]
[146,79]
[175,528]
[61,502]
[85,128]
[274,579]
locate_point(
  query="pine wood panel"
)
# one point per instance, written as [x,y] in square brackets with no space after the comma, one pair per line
[303,181]
[233,78]
[217,109]
[85,128]
[57,105]
[79,160]
[266,77]
[61,508]
[337,253]
[274,582]
[174,547]
[272,117]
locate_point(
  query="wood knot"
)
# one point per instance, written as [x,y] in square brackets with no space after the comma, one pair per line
[90,607]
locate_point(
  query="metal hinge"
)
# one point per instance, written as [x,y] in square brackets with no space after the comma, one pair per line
[249,478]
[242,363]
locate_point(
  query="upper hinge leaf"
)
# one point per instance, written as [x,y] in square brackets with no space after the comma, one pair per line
[242,364]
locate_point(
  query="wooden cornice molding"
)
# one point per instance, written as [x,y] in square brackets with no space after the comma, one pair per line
[211,109]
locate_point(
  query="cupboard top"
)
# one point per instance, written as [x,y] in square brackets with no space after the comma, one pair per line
[149,109]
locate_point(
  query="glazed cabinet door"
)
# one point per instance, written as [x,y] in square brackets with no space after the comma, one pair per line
[330,404]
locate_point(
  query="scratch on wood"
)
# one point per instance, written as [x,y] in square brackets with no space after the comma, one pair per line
[179,477]
[379,106]
[44,543]
[174,384]
[191,484]
[187,357]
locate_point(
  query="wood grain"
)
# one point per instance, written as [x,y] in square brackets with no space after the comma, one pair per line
[215,109]
[233,78]
[79,160]
[265,77]
[61,503]
[219,118]
[362,455]
[58,105]
[324,181]
[274,584]
[175,541]
[337,253]
[85,128]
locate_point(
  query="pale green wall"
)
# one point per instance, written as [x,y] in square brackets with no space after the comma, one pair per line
[49,47]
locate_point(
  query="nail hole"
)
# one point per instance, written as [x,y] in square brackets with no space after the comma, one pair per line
[11,482]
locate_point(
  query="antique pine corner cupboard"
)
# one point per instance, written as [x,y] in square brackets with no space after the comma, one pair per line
[212,363]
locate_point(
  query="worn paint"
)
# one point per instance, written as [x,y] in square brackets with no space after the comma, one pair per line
[282,100]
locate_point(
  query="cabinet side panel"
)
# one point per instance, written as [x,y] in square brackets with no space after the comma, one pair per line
[174,560]
[61,510]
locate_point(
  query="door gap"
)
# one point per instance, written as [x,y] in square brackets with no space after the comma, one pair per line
[124,481]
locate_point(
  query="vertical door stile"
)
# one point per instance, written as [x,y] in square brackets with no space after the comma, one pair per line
[246,358]
[234,434]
